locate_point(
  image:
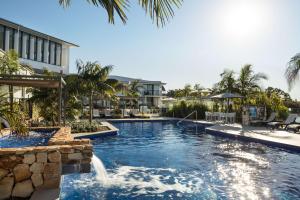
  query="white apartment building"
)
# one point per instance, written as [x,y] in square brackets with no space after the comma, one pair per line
[36,49]
[151,92]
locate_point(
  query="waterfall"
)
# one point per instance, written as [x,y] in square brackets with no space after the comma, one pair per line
[100,170]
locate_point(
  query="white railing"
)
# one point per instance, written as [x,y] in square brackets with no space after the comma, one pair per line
[195,111]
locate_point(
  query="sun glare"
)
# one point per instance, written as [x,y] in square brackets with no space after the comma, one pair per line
[242,19]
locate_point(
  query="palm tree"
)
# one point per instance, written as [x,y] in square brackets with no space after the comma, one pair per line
[93,79]
[134,91]
[160,11]
[248,81]
[227,83]
[9,64]
[293,70]
[198,90]
[187,90]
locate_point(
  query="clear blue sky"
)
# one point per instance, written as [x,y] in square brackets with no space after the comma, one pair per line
[205,37]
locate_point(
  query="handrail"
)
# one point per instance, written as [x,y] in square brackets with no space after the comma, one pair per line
[195,111]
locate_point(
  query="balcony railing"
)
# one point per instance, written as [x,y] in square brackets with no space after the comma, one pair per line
[152,93]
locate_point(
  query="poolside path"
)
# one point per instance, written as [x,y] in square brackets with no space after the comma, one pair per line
[279,138]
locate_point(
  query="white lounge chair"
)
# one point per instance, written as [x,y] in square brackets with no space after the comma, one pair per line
[96,113]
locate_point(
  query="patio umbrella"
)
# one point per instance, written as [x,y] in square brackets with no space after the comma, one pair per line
[226,95]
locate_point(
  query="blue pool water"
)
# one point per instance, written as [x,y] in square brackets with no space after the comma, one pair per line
[33,139]
[159,160]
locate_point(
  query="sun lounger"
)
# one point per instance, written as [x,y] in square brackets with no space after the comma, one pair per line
[96,113]
[294,127]
[107,113]
[290,119]
[264,122]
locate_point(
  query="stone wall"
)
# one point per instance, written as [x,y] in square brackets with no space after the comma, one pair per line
[25,170]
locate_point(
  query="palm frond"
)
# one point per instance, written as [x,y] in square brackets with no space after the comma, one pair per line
[160,11]
[293,70]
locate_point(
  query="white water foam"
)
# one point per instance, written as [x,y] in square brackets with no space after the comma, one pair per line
[101,173]
[142,180]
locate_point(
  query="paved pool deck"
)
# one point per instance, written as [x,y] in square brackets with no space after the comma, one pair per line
[277,138]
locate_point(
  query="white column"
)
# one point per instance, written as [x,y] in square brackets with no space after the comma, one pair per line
[65,59]
[16,42]
[46,50]
[6,39]
[52,49]
[24,45]
[39,50]
[31,51]
[58,54]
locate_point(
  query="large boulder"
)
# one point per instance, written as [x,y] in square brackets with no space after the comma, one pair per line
[54,157]
[37,168]
[37,179]
[6,185]
[41,157]
[21,172]
[23,189]
[3,173]
[29,158]
[75,156]
[52,168]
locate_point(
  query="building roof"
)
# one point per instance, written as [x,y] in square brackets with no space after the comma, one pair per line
[128,80]
[34,32]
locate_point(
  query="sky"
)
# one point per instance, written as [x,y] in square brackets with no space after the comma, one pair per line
[204,38]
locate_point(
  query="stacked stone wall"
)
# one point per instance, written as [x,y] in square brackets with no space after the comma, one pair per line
[29,169]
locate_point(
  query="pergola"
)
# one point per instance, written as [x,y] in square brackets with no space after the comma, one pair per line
[37,81]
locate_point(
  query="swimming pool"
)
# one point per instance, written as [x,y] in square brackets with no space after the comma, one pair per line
[35,138]
[160,160]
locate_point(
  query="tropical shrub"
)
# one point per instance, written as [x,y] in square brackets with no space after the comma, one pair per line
[85,126]
[183,109]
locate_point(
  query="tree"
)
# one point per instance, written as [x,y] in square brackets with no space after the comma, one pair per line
[9,64]
[197,90]
[47,99]
[248,81]
[93,79]
[160,11]
[227,83]
[133,91]
[293,70]
[186,91]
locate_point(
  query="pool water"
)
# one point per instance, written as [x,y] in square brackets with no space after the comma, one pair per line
[33,139]
[160,160]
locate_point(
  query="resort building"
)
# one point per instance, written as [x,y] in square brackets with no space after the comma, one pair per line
[150,92]
[35,49]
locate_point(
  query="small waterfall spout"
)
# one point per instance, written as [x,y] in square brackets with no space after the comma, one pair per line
[100,170]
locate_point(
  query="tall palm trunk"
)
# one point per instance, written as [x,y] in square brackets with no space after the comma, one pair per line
[91,107]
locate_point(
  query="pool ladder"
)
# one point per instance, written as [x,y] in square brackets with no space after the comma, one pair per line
[195,111]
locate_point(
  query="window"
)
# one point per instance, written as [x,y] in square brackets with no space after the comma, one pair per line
[31,47]
[49,50]
[35,48]
[2,36]
[55,53]
[27,47]
[11,38]
[20,43]
[42,49]
[58,54]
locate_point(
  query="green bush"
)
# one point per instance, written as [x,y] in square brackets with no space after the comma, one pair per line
[85,126]
[183,109]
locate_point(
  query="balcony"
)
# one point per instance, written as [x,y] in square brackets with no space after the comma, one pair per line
[152,93]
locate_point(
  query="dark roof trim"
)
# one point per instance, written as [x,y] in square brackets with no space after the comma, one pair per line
[37,33]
